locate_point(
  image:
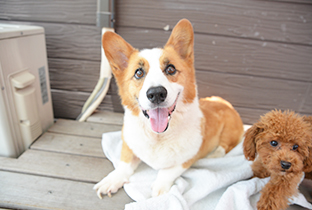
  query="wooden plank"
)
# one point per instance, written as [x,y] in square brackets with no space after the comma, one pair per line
[79,11]
[295,1]
[20,191]
[239,56]
[58,165]
[70,40]
[306,106]
[221,17]
[106,117]
[82,128]
[73,41]
[69,144]
[68,104]
[250,116]
[74,75]
[262,20]
[254,92]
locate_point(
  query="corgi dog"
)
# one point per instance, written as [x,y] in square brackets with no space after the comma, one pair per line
[165,125]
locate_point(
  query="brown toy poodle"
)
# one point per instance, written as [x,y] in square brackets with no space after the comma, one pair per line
[281,145]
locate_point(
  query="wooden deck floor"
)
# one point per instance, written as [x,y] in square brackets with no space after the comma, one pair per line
[61,167]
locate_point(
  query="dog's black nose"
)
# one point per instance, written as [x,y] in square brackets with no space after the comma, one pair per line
[285,165]
[156,95]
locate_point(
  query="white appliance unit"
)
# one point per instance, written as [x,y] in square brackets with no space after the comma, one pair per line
[25,98]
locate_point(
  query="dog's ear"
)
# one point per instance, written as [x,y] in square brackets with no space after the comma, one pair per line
[308,161]
[182,39]
[117,51]
[249,144]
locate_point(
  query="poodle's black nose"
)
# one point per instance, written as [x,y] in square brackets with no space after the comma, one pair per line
[285,165]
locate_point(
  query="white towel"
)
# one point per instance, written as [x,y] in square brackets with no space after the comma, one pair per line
[219,183]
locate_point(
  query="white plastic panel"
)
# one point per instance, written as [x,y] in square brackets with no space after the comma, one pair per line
[7,147]
[26,106]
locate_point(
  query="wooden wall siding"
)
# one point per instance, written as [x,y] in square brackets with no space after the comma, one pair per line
[57,11]
[256,54]
[76,75]
[73,41]
[262,20]
[68,104]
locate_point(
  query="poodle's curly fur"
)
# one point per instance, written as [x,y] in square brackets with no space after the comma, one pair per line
[280,144]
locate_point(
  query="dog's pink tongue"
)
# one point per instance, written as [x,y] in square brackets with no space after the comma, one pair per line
[159,119]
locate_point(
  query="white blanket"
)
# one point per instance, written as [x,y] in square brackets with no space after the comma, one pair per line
[219,183]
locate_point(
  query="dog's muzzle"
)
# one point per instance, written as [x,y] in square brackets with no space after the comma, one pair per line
[159,116]
[156,95]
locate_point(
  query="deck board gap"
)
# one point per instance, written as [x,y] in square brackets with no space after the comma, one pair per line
[47,176]
[68,153]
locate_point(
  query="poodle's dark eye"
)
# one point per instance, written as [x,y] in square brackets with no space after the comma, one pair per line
[170,69]
[139,73]
[295,147]
[274,143]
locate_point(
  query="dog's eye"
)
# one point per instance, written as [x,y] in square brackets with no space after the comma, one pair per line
[274,143]
[295,147]
[139,73]
[170,69]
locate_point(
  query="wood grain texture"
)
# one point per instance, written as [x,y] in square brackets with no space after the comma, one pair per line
[106,117]
[294,1]
[72,41]
[69,144]
[262,20]
[85,129]
[78,11]
[306,106]
[73,75]
[251,115]
[58,165]
[274,20]
[22,191]
[238,56]
[68,104]
[253,92]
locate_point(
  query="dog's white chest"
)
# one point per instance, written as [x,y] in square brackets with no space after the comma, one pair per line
[173,147]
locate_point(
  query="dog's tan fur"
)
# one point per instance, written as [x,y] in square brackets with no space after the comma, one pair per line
[219,125]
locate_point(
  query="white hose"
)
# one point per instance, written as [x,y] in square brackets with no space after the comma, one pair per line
[101,88]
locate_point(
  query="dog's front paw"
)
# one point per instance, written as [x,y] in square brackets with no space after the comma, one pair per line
[110,184]
[159,188]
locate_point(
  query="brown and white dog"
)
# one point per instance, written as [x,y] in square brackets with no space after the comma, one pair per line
[165,125]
